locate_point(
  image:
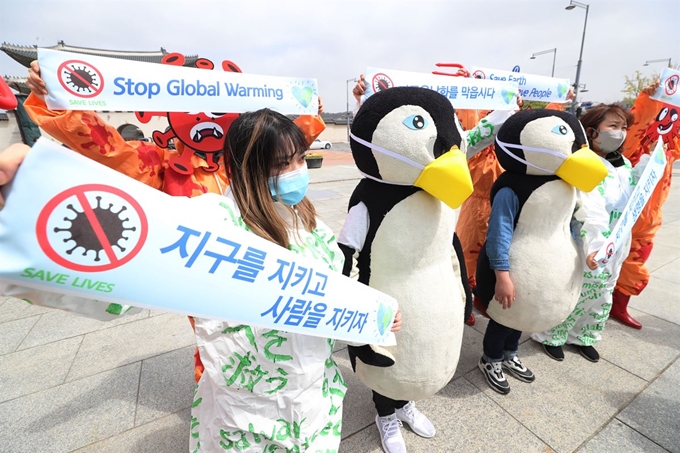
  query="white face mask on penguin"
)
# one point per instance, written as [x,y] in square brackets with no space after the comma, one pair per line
[582,169]
[446,178]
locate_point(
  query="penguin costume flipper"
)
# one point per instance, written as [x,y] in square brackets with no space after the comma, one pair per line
[486,278]
[458,247]
[370,354]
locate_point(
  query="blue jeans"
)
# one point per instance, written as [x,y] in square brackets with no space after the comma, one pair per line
[500,342]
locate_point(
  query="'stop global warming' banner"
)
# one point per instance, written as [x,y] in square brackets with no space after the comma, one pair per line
[85,82]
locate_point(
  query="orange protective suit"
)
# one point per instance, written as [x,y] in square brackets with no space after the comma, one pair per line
[654,120]
[473,220]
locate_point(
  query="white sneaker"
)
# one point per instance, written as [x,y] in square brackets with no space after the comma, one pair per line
[418,422]
[390,434]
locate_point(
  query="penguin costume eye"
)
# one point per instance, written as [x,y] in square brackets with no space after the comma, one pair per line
[415,122]
[559,130]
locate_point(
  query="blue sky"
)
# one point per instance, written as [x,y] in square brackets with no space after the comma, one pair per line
[333,41]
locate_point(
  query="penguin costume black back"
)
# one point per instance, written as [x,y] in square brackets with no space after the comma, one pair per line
[411,150]
[546,158]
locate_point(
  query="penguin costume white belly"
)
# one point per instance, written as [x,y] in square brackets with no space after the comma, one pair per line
[403,139]
[545,156]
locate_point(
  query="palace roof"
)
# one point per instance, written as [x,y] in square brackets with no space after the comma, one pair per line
[25,54]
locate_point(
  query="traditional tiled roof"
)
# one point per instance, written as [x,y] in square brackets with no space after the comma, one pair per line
[17,83]
[25,54]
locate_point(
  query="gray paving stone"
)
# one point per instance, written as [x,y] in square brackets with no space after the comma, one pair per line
[669,272]
[36,369]
[58,324]
[13,333]
[131,342]
[661,298]
[166,386]
[72,415]
[569,400]
[470,352]
[466,421]
[17,309]
[358,410]
[661,255]
[167,435]
[655,413]
[668,235]
[321,194]
[645,352]
[617,437]
[334,173]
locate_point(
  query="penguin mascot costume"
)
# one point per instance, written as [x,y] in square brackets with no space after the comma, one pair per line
[546,159]
[410,148]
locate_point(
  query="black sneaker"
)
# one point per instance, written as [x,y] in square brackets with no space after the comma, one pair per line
[493,372]
[515,367]
[589,353]
[554,352]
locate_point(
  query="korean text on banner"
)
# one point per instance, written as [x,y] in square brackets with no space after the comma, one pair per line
[72,226]
[464,93]
[669,88]
[650,177]
[85,82]
[532,87]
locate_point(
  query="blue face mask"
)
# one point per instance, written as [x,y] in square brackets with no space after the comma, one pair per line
[292,186]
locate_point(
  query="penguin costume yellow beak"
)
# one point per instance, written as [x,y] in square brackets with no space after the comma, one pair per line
[447,178]
[583,170]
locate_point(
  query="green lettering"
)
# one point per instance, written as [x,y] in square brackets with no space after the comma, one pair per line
[28,272]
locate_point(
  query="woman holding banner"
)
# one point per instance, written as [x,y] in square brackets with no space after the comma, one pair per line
[86,133]
[263,389]
[606,127]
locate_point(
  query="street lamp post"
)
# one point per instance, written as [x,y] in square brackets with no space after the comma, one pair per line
[347,113]
[543,52]
[573,4]
[659,61]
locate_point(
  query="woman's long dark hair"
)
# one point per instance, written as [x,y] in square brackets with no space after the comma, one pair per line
[256,146]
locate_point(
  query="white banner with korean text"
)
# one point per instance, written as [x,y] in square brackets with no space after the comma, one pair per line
[532,87]
[643,191]
[86,82]
[73,227]
[464,93]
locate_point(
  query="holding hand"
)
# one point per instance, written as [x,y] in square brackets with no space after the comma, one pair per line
[571,95]
[359,88]
[396,326]
[10,159]
[505,290]
[320,107]
[34,81]
[590,261]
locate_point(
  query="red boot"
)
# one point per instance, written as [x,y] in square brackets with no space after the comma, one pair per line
[620,310]
[479,306]
[471,320]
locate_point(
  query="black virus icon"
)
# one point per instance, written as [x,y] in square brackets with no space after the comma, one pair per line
[82,79]
[84,234]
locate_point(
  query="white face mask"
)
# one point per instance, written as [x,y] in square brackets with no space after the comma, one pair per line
[610,141]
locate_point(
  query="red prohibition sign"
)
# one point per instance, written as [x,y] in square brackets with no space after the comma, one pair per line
[85,77]
[479,74]
[672,84]
[94,223]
